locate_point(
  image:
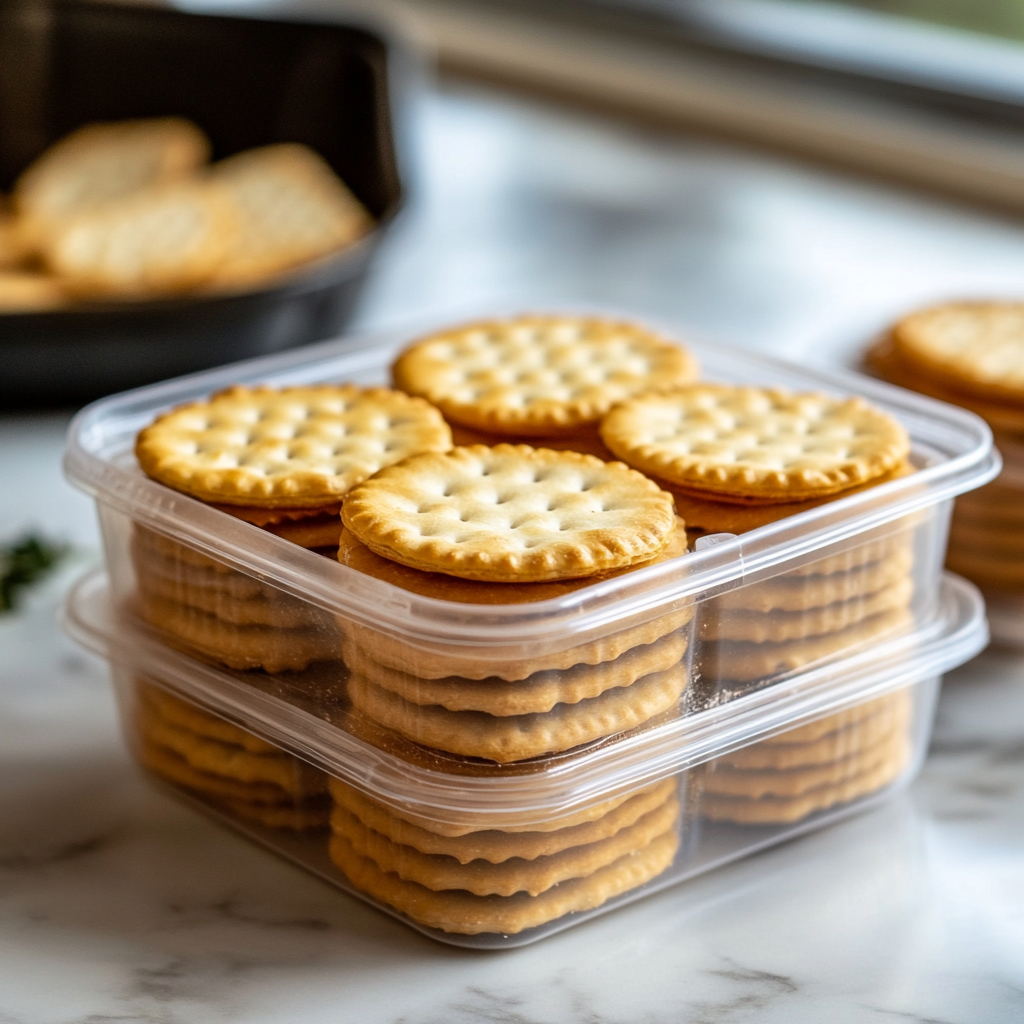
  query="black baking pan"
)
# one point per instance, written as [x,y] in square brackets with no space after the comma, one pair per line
[246,81]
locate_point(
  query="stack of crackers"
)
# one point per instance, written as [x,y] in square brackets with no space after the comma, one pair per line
[972,354]
[131,210]
[815,767]
[740,457]
[281,460]
[213,759]
[507,877]
[529,506]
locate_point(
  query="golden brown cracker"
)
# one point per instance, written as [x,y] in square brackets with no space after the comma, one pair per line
[975,348]
[215,757]
[538,376]
[292,208]
[286,447]
[296,818]
[768,810]
[483,878]
[586,440]
[538,693]
[186,715]
[101,163]
[731,661]
[747,444]
[353,553]
[883,359]
[240,647]
[23,291]
[511,821]
[779,626]
[791,592]
[519,737]
[466,914]
[162,241]
[881,722]
[511,514]
[708,516]
[229,609]
[494,845]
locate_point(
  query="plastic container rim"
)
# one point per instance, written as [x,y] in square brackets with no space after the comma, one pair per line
[957,633]
[97,460]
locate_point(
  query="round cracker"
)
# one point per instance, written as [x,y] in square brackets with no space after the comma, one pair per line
[289,447]
[358,556]
[756,444]
[883,360]
[537,376]
[511,514]
[972,347]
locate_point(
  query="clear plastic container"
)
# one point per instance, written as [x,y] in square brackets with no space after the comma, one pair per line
[459,684]
[492,857]
[986,543]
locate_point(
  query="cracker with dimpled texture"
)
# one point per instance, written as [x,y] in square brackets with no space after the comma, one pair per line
[511,514]
[749,444]
[463,913]
[537,376]
[291,207]
[883,360]
[300,447]
[358,556]
[101,163]
[972,347]
[162,241]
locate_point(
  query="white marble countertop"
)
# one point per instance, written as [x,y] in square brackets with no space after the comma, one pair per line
[117,904]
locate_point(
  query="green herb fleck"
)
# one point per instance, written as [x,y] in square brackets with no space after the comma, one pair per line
[23,563]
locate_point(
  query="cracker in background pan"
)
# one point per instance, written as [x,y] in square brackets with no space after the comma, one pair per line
[24,291]
[103,162]
[291,208]
[164,240]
